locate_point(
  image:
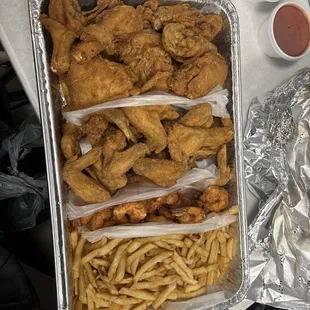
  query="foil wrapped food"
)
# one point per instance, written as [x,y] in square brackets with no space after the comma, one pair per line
[277,169]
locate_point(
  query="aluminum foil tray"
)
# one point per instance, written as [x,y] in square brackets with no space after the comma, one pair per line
[235,285]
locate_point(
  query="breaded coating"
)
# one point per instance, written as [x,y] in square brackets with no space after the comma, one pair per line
[70,144]
[214,199]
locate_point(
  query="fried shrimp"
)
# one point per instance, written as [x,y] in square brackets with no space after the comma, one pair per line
[214,198]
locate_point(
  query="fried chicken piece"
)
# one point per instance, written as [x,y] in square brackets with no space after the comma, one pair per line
[136,179]
[86,219]
[184,44]
[214,199]
[113,141]
[227,122]
[90,15]
[209,25]
[157,219]
[113,175]
[85,187]
[198,116]
[222,166]
[136,212]
[94,126]
[184,142]
[164,111]
[70,145]
[147,10]
[148,123]
[145,57]
[197,79]
[118,23]
[75,223]
[56,11]
[63,39]
[205,152]
[179,13]
[86,50]
[96,81]
[161,171]
[165,211]
[100,218]
[117,117]
[188,215]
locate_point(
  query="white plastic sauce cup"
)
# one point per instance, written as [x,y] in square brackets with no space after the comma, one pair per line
[266,38]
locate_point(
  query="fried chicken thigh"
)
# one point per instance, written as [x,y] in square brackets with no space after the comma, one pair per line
[161,171]
[95,81]
[197,79]
[184,44]
[209,25]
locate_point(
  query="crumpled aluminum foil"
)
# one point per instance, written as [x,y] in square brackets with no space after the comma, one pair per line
[277,168]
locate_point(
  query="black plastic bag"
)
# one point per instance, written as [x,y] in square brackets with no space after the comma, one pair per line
[23,196]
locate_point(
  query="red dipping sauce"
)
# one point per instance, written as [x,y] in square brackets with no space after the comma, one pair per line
[291,30]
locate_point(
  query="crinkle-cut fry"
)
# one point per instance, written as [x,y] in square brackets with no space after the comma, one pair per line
[204,269]
[213,253]
[182,273]
[133,246]
[98,262]
[77,258]
[151,263]
[121,269]
[164,245]
[221,237]
[159,238]
[74,238]
[212,277]
[184,251]
[168,261]
[101,251]
[152,273]
[134,266]
[143,250]
[195,260]
[164,294]
[167,267]
[76,287]
[155,252]
[90,298]
[90,274]
[234,210]
[127,307]
[127,280]
[179,260]
[229,247]
[98,244]
[182,295]
[150,285]
[118,300]
[141,294]
[117,258]
[226,235]
[101,303]
[193,288]
[110,286]
[78,305]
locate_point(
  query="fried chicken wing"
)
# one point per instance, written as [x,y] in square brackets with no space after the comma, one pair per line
[205,152]
[184,44]
[94,126]
[70,145]
[75,20]
[63,39]
[82,185]
[121,162]
[209,25]
[161,171]
[150,63]
[188,140]
[117,117]
[113,141]
[198,116]
[214,199]
[136,179]
[197,79]
[56,11]
[222,166]
[95,81]
[163,111]
[118,23]
[179,13]
[148,123]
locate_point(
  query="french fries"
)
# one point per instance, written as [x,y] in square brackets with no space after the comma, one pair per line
[133,274]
